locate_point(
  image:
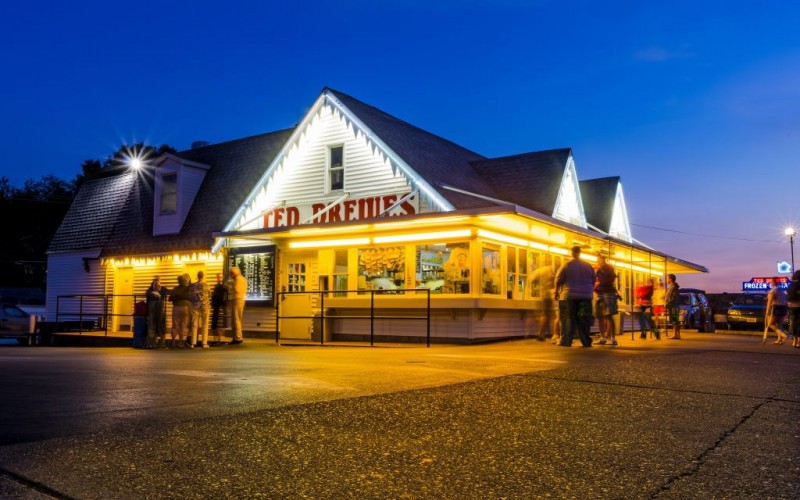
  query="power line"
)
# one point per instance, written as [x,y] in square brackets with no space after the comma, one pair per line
[706,235]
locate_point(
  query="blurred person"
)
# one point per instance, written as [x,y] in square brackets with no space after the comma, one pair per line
[793,300]
[156,320]
[777,309]
[659,305]
[181,298]
[644,303]
[544,279]
[200,302]
[219,298]
[237,291]
[672,300]
[573,291]
[606,300]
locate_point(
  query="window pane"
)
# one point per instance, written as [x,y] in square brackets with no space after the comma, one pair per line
[337,179]
[443,268]
[340,271]
[381,268]
[169,193]
[511,267]
[337,157]
[491,270]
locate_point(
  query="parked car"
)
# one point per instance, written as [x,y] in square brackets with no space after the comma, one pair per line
[748,311]
[720,302]
[14,323]
[696,311]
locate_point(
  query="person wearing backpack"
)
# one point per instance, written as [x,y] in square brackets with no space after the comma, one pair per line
[793,298]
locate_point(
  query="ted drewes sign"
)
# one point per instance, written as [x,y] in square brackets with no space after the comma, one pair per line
[763,284]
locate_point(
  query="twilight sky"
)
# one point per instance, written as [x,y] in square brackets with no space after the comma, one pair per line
[695,104]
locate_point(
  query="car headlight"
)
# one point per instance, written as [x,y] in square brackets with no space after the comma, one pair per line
[733,312]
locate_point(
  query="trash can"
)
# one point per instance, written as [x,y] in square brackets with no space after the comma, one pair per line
[140,325]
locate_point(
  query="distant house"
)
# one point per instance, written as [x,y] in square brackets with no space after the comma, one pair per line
[349,201]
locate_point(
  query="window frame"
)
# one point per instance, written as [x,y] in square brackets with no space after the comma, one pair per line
[165,193]
[330,169]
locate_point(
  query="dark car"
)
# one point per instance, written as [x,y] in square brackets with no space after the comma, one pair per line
[14,323]
[748,311]
[696,311]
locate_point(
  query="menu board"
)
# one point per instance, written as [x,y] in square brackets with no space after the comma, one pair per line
[258,268]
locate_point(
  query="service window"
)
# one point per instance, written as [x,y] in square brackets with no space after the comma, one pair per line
[443,268]
[522,275]
[490,277]
[511,271]
[340,271]
[381,268]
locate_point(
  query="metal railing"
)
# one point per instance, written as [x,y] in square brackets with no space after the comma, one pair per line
[281,296]
[85,317]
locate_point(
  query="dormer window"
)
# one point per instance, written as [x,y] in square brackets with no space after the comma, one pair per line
[169,193]
[335,168]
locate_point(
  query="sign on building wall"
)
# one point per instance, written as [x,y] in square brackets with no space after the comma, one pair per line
[347,210]
[763,284]
[258,267]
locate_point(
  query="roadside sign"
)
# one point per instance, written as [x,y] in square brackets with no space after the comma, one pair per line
[763,284]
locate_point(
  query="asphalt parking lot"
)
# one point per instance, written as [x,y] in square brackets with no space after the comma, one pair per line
[712,415]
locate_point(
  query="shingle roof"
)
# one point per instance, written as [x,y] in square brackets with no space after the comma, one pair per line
[437,160]
[598,196]
[91,219]
[529,180]
[235,167]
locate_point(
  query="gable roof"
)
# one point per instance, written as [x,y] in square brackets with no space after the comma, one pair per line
[91,218]
[437,160]
[530,180]
[598,197]
[234,167]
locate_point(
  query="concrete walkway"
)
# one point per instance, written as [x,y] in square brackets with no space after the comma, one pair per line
[712,415]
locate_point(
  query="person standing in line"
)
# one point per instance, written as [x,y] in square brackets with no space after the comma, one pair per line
[644,302]
[238,289]
[659,305]
[793,299]
[573,291]
[181,298]
[672,299]
[777,309]
[199,311]
[218,299]
[544,279]
[155,296]
[606,302]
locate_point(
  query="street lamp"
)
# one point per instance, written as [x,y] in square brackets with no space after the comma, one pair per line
[790,232]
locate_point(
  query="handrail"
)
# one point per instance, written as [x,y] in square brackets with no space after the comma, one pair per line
[281,296]
[105,315]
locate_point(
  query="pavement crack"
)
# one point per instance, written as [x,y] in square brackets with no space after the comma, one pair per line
[33,485]
[698,462]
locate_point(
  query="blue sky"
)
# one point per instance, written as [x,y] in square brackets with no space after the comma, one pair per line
[696,105]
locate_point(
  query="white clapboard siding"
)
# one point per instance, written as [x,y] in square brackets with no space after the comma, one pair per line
[365,174]
[67,275]
[445,324]
[259,319]
[168,272]
[499,323]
